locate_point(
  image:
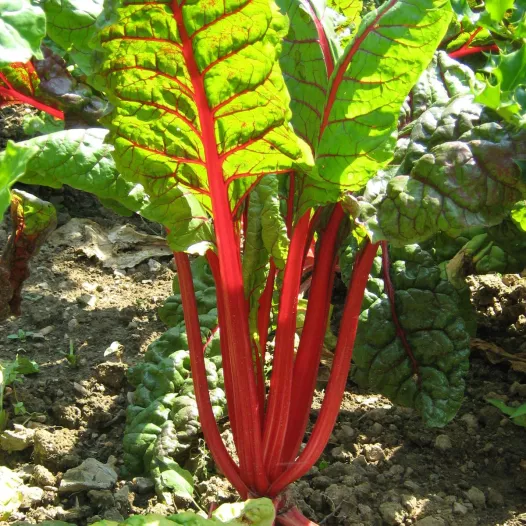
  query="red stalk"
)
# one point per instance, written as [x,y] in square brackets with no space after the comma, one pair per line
[197,363]
[308,358]
[465,51]
[338,379]
[280,393]
[323,40]
[290,205]
[227,366]
[265,305]
[238,343]
[11,92]
[293,517]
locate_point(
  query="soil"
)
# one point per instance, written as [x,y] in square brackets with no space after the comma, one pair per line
[381,467]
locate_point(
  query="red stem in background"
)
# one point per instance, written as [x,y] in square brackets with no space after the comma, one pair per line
[265,306]
[238,344]
[280,392]
[197,363]
[11,92]
[308,357]
[389,290]
[339,372]
[463,52]
[211,257]
[290,205]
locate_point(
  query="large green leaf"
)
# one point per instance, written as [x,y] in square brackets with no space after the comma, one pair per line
[81,159]
[71,24]
[390,50]
[22,28]
[457,174]
[200,99]
[427,370]
[307,61]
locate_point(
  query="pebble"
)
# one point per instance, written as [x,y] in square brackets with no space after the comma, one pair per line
[17,439]
[87,300]
[72,324]
[459,508]
[392,513]
[376,429]
[519,389]
[91,474]
[119,273]
[495,498]
[154,266]
[476,497]
[431,521]
[31,496]
[443,443]
[144,485]
[374,452]
[43,477]
[80,389]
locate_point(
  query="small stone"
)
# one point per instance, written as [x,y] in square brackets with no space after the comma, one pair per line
[101,499]
[43,477]
[154,266]
[411,486]
[374,452]
[519,389]
[91,474]
[111,374]
[89,287]
[470,420]
[80,389]
[87,300]
[459,509]
[392,513]
[17,439]
[113,515]
[409,502]
[476,497]
[72,324]
[495,499]
[31,496]
[443,443]
[376,429]
[143,485]
[431,521]
[119,273]
[339,453]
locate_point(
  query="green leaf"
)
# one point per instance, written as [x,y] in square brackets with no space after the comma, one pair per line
[468,179]
[428,373]
[518,214]
[307,64]
[13,162]
[505,90]
[199,98]
[390,50]
[26,366]
[178,480]
[497,8]
[22,28]
[71,25]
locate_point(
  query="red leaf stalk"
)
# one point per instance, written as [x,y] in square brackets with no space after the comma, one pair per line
[338,379]
[465,51]
[280,393]
[308,357]
[11,93]
[238,344]
[197,363]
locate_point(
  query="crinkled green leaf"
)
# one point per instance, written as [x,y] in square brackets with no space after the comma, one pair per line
[71,24]
[13,162]
[305,63]
[390,50]
[199,97]
[461,174]
[428,375]
[22,28]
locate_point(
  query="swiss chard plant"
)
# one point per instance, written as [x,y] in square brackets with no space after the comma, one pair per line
[278,141]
